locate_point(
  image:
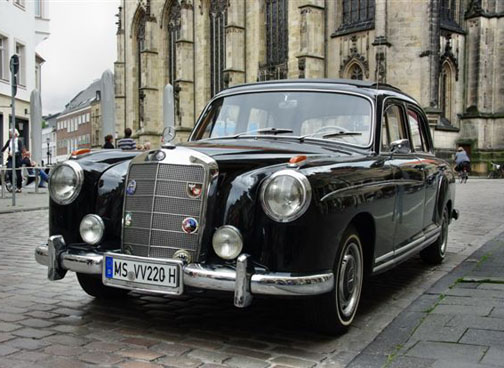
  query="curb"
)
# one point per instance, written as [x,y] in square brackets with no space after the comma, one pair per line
[23,210]
[387,344]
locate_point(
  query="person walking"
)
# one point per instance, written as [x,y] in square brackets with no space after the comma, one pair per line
[126,143]
[108,142]
[18,149]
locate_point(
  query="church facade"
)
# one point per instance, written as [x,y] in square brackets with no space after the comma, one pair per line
[447,54]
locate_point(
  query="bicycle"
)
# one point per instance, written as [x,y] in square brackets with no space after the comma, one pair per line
[463,170]
[497,171]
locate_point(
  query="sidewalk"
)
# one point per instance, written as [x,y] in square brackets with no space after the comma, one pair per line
[458,322]
[27,200]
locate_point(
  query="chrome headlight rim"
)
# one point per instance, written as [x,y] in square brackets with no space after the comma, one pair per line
[79,173]
[307,193]
[236,232]
[99,222]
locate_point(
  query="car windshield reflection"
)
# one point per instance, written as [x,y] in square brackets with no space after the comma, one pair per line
[330,116]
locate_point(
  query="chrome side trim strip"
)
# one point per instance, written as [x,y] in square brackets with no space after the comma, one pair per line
[408,249]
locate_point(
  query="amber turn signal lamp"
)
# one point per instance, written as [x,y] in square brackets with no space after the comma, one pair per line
[297,159]
[80,151]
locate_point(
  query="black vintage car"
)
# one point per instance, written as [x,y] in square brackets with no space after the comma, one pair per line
[286,188]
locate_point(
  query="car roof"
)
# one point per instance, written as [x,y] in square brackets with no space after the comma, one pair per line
[368,88]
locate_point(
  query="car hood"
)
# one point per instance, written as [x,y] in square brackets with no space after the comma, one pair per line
[264,151]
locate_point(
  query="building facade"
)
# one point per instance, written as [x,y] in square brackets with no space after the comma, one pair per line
[448,54]
[49,139]
[79,124]
[23,25]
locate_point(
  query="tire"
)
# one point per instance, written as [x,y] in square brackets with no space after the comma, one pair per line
[435,253]
[334,312]
[93,286]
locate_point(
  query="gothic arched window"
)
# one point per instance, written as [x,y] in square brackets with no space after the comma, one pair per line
[355,72]
[276,40]
[356,12]
[174,25]
[446,91]
[140,46]
[218,20]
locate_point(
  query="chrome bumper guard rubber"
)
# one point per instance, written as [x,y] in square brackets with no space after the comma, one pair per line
[242,280]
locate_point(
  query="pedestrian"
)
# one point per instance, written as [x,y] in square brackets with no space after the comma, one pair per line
[126,143]
[18,149]
[108,141]
[27,161]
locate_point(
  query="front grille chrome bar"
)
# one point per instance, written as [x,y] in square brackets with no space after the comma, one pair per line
[158,201]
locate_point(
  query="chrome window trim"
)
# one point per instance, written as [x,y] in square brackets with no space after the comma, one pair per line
[79,172]
[276,89]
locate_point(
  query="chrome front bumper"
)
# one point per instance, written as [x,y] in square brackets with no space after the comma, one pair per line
[241,280]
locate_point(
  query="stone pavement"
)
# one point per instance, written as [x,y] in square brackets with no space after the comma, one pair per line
[55,324]
[27,200]
[458,322]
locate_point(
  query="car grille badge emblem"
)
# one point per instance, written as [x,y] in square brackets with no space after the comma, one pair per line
[131,187]
[194,190]
[128,219]
[189,225]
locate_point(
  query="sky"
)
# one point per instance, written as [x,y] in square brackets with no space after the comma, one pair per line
[82,45]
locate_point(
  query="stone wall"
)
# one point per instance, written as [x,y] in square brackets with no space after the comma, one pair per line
[403,45]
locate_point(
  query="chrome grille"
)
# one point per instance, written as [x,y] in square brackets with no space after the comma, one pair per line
[158,206]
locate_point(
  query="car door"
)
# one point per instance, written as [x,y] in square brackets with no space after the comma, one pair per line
[409,177]
[431,166]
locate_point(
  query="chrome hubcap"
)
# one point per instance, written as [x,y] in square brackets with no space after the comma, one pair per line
[350,280]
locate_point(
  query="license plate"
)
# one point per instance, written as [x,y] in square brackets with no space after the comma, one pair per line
[143,274]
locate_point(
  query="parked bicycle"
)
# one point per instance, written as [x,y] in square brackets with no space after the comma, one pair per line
[496,172]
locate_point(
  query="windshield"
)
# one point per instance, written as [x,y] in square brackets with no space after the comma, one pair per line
[331,116]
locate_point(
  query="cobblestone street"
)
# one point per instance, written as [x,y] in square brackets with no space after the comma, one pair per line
[55,324]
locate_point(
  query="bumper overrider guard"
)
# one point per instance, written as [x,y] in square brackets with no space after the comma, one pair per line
[241,280]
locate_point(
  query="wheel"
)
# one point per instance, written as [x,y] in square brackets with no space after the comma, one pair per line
[435,253]
[93,286]
[334,312]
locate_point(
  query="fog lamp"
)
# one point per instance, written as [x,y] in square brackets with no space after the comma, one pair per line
[227,242]
[91,229]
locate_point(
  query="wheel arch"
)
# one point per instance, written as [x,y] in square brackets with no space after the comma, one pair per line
[366,228]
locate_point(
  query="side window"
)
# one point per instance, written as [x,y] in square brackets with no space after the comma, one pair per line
[417,137]
[392,126]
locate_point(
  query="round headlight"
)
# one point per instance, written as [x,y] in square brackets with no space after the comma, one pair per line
[91,229]
[65,182]
[285,195]
[227,242]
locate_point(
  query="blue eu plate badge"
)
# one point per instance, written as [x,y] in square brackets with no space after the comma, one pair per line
[109,267]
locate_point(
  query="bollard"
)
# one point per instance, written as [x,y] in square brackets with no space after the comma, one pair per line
[37,179]
[2,174]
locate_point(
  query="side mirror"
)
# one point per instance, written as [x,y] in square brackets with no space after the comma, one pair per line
[400,146]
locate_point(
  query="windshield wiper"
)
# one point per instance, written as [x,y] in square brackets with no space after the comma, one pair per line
[339,134]
[331,135]
[273,131]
